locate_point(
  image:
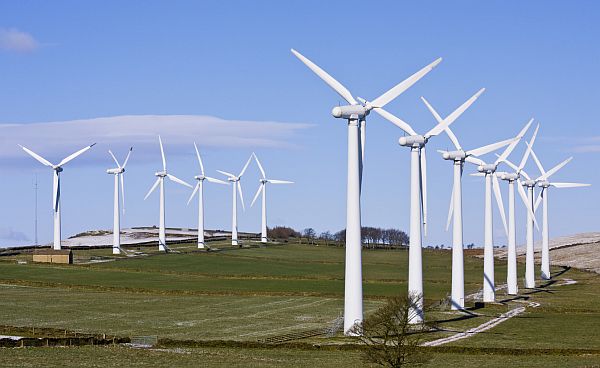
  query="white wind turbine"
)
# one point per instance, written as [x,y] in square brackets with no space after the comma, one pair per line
[511,272]
[263,188]
[160,180]
[491,182]
[418,196]
[459,157]
[200,189]
[356,115]
[543,183]
[237,187]
[56,169]
[119,173]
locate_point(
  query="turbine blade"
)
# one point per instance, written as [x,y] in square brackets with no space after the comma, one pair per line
[423,172]
[490,147]
[152,189]
[122,180]
[73,155]
[127,157]
[553,170]
[499,201]
[523,196]
[262,171]
[512,146]
[36,156]
[453,138]
[331,82]
[162,154]
[475,160]
[528,150]
[453,116]
[178,181]
[199,159]
[193,193]
[56,196]
[538,200]
[260,189]
[477,174]
[239,187]
[535,158]
[510,164]
[226,173]
[396,121]
[451,210]
[394,92]
[213,180]
[114,158]
[273,181]
[569,185]
[245,166]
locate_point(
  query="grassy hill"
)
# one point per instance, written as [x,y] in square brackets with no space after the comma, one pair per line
[191,298]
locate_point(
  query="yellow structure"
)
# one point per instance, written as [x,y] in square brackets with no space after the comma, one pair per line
[53,256]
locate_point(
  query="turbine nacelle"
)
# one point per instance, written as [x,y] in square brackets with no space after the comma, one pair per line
[544,184]
[115,171]
[454,155]
[488,168]
[160,174]
[57,168]
[200,177]
[528,183]
[509,176]
[353,112]
[412,141]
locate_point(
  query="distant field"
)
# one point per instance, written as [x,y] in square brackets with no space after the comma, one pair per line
[251,294]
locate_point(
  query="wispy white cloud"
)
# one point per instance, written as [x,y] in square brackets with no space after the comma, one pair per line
[7,233]
[17,41]
[55,140]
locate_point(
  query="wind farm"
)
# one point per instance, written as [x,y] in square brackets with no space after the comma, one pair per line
[348,253]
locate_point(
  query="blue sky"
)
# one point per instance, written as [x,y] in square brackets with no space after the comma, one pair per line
[132,62]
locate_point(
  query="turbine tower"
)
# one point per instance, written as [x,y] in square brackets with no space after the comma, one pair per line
[543,183]
[459,157]
[237,187]
[263,188]
[56,169]
[511,272]
[418,197]
[491,182]
[200,190]
[356,115]
[119,173]
[160,180]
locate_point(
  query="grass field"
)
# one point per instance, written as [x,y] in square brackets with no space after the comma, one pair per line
[259,292]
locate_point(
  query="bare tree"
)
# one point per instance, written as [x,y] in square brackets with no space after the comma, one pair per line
[390,339]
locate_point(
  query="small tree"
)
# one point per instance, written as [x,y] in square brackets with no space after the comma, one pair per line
[309,233]
[390,339]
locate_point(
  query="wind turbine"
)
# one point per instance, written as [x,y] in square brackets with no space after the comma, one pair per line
[200,189]
[118,172]
[511,272]
[543,183]
[236,184]
[459,157]
[356,115]
[263,188]
[160,180]
[56,169]
[418,197]
[491,181]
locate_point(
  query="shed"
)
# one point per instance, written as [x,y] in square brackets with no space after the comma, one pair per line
[53,256]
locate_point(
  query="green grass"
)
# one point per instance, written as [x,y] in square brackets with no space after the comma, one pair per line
[250,294]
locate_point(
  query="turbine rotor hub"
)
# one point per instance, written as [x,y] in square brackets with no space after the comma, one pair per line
[199,177]
[160,174]
[454,155]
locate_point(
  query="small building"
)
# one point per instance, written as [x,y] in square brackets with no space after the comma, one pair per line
[53,256]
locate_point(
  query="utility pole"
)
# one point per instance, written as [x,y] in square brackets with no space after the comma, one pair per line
[36,210]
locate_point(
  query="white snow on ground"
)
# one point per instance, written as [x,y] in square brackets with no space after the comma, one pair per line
[561,241]
[10,337]
[493,322]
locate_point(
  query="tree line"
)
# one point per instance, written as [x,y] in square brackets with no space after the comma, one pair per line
[372,237]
